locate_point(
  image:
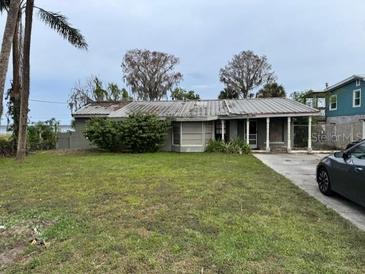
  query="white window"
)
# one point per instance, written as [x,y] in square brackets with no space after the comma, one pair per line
[356,98]
[333,102]
[321,103]
[309,102]
[358,82]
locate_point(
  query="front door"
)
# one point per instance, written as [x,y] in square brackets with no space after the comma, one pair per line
[253,134]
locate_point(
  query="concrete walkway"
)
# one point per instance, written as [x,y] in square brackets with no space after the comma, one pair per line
[301,170]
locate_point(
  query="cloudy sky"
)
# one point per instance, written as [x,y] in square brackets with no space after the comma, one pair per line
[308,42]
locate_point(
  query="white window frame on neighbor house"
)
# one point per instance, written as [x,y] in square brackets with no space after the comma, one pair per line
[356,91]
[330,102]
[358,82]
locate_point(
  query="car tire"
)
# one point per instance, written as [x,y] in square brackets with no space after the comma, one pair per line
[323,180]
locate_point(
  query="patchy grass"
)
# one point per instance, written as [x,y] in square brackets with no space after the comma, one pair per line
[166,212]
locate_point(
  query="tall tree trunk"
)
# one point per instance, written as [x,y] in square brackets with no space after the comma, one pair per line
[24,96]
[17,47]
[17,73]
[9,30]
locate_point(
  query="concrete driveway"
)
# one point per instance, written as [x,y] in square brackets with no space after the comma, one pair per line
[301,169]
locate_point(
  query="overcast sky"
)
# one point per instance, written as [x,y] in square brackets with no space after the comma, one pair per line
[308,42]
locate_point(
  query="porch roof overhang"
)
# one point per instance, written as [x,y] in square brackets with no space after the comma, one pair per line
[268,115]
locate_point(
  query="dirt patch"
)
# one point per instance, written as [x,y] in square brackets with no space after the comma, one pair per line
[16,238]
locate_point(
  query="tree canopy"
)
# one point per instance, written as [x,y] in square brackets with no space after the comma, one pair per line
[182,94]
[150,74]
[300,96]
[271,90]
[228,93]
[245,72]
[94,91]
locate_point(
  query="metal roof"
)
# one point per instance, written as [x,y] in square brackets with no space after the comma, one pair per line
[206,109]
[346,81]
[214,109]
[266,107]
[100,109]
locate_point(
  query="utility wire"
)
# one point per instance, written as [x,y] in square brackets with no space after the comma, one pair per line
[48,102]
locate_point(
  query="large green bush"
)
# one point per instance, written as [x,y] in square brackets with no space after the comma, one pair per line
[6,146]
[43,135]
[235,146]
[138,133]
[40,136]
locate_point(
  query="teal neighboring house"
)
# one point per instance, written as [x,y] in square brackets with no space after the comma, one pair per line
[345,106]
[347,99]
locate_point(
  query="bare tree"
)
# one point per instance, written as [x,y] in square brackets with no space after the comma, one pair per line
[245,72]
[150,74]
[10,26]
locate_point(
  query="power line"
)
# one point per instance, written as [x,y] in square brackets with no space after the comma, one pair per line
[48,102]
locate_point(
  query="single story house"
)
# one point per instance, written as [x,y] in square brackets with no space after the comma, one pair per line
[265,123]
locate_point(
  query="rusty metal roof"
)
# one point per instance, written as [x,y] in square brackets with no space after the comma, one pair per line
[100,109]
[268,107]
[192,110]
[203,110]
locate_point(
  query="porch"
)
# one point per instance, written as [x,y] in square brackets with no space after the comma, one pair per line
[270,134]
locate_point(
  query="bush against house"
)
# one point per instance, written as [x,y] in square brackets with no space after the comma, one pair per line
[235,146]
[138,133]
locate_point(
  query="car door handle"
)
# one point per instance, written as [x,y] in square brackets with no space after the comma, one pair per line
[359,169]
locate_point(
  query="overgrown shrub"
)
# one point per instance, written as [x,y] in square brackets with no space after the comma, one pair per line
[6,147]
[105,134]
[138,133]
[215,146]
[235,146]
[43,135]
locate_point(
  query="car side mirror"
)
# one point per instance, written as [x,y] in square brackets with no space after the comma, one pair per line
[339,154]
[346,155]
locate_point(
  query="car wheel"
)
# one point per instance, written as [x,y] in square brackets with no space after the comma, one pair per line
[324,183]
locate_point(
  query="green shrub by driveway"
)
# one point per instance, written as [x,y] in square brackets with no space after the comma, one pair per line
[166,213]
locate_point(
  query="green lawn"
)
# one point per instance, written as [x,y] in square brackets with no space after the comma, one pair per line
[165,213]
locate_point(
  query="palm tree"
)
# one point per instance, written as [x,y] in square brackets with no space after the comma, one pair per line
[10,26]
[24,96]
[271,90]
[56,22]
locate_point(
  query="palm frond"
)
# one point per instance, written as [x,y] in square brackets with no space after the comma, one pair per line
[59,23]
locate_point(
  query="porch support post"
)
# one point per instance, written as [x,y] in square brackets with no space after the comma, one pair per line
[267,134]
[289,134]
[309,134]
[363,129]
[222,130]
[213,135]
[248,131]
